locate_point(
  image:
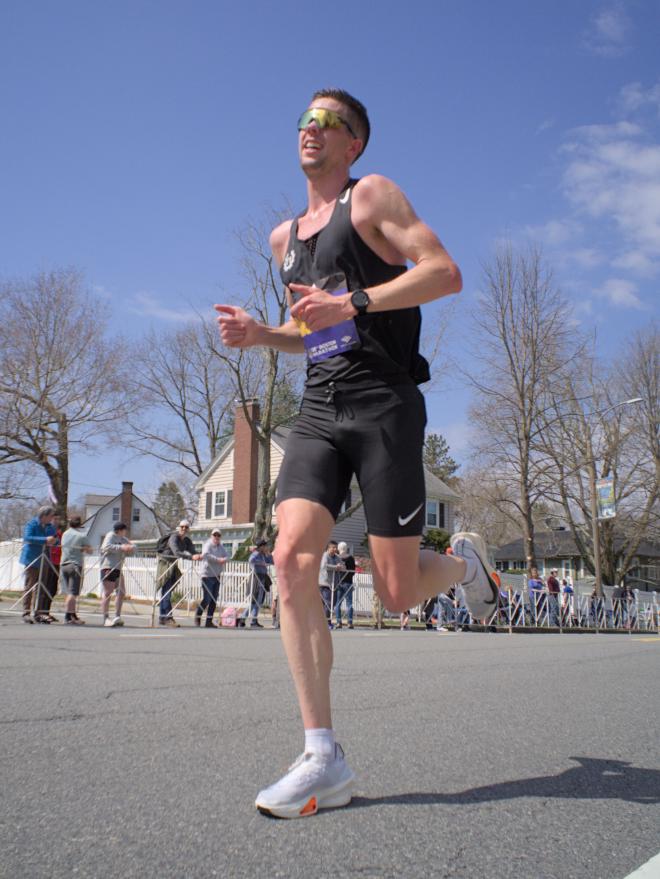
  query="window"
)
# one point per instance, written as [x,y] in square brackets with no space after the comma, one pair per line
[348,500]
[435,514]
[222,504]
[115,514]
[136,514]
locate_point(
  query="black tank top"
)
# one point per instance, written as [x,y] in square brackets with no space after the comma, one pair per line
[389,350]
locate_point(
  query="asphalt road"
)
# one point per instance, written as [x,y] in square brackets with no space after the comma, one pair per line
[138,753]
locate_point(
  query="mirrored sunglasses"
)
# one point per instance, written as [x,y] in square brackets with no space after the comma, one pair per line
[324,119]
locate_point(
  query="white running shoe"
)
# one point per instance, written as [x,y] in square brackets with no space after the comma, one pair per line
[479,589]
[107,622]
[117,621]
[312,783]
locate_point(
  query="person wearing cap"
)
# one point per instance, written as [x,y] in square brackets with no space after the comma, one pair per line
[535,587]
[345,587]
[259,581]
[114,550]
[179,546]
[553,596]
[214,559]
[74,543]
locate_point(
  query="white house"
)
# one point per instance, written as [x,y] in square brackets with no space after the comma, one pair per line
[102,511]
[228,491]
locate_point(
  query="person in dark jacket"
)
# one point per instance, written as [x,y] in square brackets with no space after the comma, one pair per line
[38,535]
[260,560]
[179,546]
[345,588]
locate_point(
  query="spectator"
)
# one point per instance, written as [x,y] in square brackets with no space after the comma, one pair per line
[404,620]
[345,588]
[36,537]
[536,587]
[566,600]
[274,602]
[74,544]
[444,612]
[428,611]
[179,546]
[51,573]
[330,574]
[114,549]
[260,581]
[552,584]
[214,559]
[597,607]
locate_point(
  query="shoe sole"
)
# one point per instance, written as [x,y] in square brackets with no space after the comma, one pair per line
[333,798]
[481,553]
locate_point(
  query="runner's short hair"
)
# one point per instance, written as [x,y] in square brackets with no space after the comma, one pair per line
[357,113]
[119,526]
[45,511]
[75,521]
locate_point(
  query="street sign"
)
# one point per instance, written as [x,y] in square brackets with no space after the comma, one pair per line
[605,496]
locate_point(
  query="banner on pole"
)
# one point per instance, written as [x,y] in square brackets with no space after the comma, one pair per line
[605,496]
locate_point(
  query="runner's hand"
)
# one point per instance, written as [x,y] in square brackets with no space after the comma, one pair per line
[237,328]
[319,309]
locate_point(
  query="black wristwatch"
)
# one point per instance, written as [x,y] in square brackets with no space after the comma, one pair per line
[360,301]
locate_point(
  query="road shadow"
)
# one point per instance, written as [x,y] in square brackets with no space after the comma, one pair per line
[593,779]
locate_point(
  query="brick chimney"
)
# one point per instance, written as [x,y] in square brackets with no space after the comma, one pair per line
[246,456]
[126,510]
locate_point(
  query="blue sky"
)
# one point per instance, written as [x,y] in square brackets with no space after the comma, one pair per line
[137,136]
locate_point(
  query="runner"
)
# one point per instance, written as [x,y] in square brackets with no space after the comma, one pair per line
[361,413]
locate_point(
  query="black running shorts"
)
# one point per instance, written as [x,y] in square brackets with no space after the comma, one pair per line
[376,434]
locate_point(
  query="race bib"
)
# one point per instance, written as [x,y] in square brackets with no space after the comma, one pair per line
[338,339]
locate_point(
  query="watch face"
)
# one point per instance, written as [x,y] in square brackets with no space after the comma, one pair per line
[360,299]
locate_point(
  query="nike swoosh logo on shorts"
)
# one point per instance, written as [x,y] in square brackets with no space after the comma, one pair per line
[344,197]
[404,520]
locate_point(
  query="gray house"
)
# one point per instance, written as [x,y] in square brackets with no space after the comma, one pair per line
[557,549]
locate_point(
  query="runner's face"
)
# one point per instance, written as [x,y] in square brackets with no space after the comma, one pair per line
[321,149]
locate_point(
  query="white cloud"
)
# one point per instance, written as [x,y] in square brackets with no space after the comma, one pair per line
[613,175]
[634,97]
[548,123]
[148,305]
[554,233]
[609,31]
[637,262]
[619,291]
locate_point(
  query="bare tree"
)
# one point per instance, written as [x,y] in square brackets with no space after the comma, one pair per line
[488,505]
[59,388]
[187,398]
[522,337]
[270,376]
[591,432]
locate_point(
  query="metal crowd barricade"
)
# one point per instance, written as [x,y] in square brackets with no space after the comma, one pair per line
[579,610]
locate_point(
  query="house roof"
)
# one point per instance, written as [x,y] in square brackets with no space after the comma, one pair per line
[110,499]
[278,437]
[97,500]
[560,544]
[435,487]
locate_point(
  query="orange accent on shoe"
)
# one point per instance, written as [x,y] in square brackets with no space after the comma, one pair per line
[310,808]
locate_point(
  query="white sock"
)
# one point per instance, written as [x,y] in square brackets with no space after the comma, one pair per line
[320,741]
